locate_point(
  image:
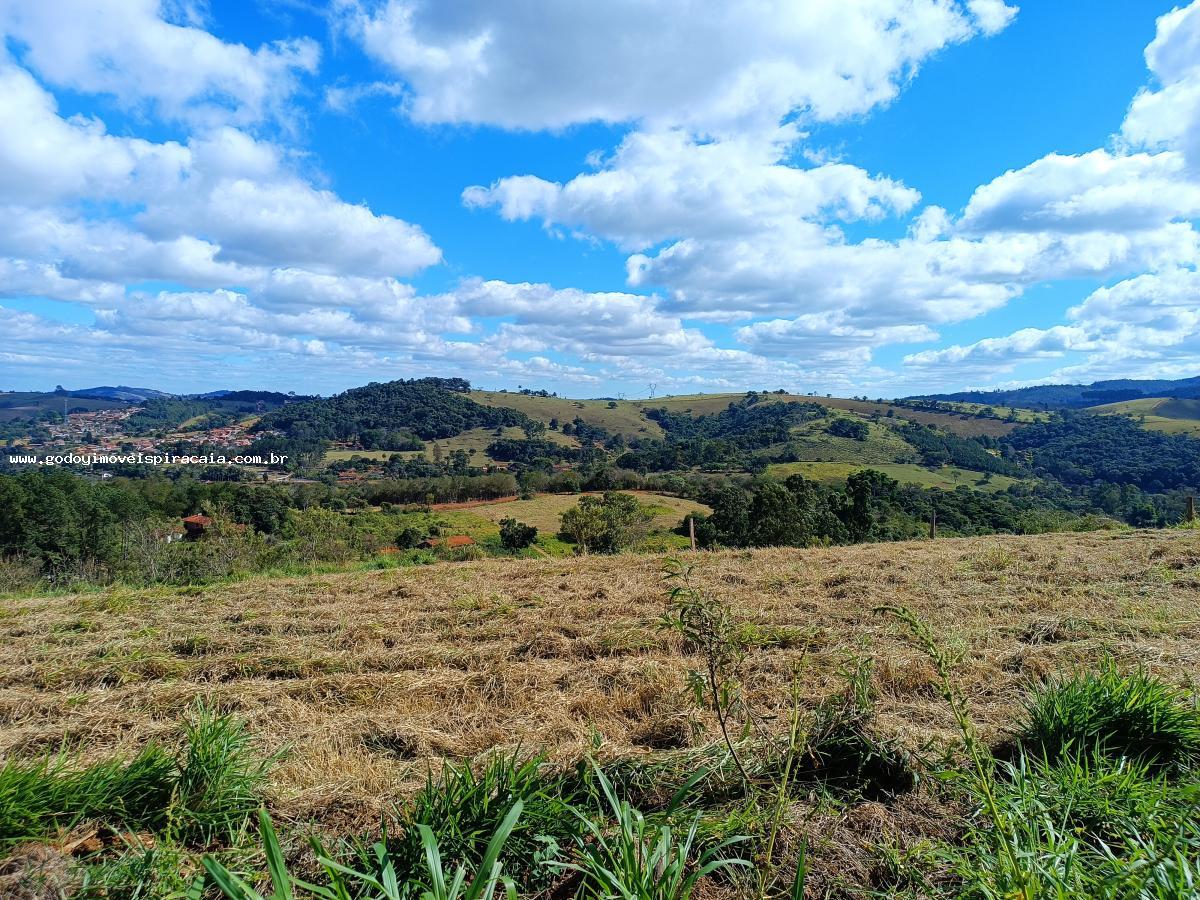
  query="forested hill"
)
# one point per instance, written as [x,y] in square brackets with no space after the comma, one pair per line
[1081,449]
[396,414]
[1075,396]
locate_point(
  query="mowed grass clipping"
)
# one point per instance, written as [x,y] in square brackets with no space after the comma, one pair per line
[369,677]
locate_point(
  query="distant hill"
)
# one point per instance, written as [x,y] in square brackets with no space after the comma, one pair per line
[392,415]
[1076,396]
[120,392]
[204,411]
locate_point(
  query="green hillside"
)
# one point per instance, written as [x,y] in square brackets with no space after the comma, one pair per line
[944,477]
[1169,415]
[628,417]
[623,417]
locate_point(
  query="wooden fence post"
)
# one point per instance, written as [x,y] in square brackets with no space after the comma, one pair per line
[933,525]
[1191,509]
[692,531]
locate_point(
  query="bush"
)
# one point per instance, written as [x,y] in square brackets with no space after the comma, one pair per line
[516,535]
[848,428]
[1136,716]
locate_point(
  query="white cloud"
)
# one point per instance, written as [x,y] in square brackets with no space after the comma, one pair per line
[827,338]
[1170,115]
[589,325]
[665,185]
[211,208]
[718,68]
[45,158]
[1147,325]
[127,48]
[1096,191]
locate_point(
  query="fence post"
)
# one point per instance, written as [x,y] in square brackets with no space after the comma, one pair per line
[1191,509]
[933,525]
[692,531]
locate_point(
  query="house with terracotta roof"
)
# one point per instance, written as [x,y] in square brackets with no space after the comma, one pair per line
[195,526]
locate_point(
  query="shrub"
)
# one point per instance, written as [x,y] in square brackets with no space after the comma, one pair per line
[516,535]
[848,428]
[606,524]
[1133,715]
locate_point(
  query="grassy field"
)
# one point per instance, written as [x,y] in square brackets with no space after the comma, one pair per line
[1164,414]
[947,477]
[543,511]
[367,679]
[814,444]
[475,442]
[624,417]
[627,417]
[1023,416]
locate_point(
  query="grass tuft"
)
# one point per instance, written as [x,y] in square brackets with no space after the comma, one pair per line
[1133,715]
[41,796]
[220,776]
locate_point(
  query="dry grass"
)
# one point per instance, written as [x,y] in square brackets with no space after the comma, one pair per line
[369,677]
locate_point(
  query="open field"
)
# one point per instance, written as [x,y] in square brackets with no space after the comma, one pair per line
[543,511]
[624,417]
[947,477]
[627,417]
[1164,414]
[366,678]
[473,441]
[883,445]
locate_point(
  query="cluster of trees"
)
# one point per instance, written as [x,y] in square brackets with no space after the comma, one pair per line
[870,506]
[938,448]
[844,426]
[1081,449]
[720,441]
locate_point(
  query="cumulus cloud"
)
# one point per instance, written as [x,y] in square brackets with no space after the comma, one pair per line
[531,64]
[128,48]
[204,212]
[1096,191]
[827,338]
[668,184]
[1168,114]
[1147,325]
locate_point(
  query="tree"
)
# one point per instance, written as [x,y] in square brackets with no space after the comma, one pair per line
[516,535]
[848,428]
[606,524]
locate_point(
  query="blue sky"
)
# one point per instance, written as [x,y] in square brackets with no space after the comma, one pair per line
[876,196]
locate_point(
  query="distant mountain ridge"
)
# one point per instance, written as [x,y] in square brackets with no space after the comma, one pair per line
[119,392]
[1076,396]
